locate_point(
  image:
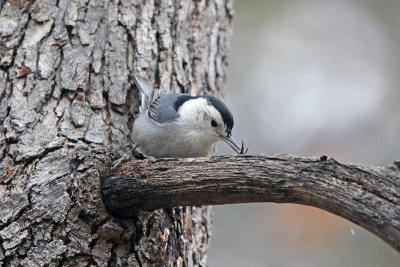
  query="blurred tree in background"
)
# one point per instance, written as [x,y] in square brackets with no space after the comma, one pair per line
[311,77]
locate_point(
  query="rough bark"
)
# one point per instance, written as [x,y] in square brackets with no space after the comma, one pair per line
[67,105]
[367,196]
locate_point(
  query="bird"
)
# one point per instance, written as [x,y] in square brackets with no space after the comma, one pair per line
[174,125]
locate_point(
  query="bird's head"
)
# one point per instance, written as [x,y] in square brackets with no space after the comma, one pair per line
[209,119]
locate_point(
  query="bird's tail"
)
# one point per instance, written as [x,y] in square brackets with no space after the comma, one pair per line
[145,89]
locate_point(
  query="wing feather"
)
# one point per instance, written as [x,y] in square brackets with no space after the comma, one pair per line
[160,107]
[152,111]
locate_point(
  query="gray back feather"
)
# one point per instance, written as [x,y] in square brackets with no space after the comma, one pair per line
[163,110]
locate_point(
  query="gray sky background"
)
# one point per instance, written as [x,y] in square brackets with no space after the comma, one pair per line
[310,78]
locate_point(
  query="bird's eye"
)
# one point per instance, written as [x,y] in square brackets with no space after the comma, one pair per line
[214,123]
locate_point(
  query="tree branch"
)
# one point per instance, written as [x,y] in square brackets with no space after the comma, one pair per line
[367,196]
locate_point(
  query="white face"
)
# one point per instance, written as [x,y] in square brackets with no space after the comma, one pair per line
[203,124]
[203,119]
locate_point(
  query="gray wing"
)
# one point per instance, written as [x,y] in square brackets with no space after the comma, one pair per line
[161,107]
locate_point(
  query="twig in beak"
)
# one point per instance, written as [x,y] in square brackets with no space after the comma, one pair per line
[242,151]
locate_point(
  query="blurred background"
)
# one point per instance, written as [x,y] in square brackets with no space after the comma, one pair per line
[310,78]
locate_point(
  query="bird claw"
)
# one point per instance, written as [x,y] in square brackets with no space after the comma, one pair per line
[139,155]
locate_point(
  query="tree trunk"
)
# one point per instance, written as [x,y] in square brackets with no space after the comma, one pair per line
[67,106]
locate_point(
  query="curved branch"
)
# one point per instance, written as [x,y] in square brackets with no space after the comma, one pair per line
[367,196]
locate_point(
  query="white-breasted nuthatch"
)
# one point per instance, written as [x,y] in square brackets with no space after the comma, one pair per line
[179,125]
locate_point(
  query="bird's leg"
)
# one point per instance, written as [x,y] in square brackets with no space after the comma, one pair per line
[127,153]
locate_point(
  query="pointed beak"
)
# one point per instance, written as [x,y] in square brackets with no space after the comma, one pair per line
[232,143]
